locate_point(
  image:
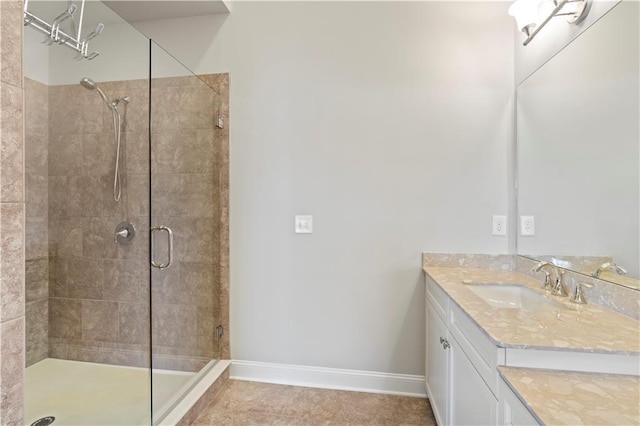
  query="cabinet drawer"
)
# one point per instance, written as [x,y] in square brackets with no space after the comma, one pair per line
[437,297]
[482,353]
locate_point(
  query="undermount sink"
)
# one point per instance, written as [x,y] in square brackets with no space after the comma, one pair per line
[514,296]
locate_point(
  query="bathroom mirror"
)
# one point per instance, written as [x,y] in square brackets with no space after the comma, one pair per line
[578,152]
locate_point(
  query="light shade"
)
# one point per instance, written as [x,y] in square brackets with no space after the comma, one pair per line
[526,13]
[532,15]
[545,8]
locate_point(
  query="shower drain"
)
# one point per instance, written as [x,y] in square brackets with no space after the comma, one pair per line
[45,421]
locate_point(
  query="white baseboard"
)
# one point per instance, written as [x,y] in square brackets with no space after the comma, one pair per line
[328,378]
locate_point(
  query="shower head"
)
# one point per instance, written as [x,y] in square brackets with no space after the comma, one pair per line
[87,83]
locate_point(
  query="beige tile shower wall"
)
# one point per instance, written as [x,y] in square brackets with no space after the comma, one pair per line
[98,290]
[92,280]
[36,164]
[220,85]
[187,187]
[12,216]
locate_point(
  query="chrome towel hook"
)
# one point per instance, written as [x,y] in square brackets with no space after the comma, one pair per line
[56,35]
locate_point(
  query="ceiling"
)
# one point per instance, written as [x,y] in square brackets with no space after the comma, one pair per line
[153,10]
[130,10]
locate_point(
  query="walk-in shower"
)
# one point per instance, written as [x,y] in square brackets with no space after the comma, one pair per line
[87,83]
[100,320]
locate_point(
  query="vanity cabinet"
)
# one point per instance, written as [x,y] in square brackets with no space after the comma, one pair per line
[512,411]
[498,366]
[437,365]
[458,392]
[473,403]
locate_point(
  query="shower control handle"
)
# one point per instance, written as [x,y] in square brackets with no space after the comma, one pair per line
[170,248]
[125,231]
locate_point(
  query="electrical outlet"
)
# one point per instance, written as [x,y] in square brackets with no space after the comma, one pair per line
[527,226]
[499,225]
[304,224]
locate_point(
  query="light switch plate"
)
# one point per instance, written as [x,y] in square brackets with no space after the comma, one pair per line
[304,224]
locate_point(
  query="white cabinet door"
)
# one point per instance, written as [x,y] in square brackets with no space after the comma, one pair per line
[437,365]
[472,402]
[512,411]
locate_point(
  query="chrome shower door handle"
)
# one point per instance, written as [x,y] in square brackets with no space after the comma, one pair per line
[170,243]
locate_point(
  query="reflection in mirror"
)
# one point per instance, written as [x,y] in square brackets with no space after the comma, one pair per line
[578,152]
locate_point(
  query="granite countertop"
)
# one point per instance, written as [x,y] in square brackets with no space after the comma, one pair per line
[585,328]
[574,398]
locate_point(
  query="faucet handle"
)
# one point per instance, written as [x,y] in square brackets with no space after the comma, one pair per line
[547,280]
[579,297]
[125,231]
[547,277]
[559,289]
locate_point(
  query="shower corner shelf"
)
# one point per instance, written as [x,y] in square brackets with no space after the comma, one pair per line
[81,45]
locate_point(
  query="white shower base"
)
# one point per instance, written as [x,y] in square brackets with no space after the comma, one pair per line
[82,393]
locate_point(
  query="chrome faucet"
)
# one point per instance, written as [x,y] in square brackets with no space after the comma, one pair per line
[560,289]
[579,296]
[547,277]
[609,265]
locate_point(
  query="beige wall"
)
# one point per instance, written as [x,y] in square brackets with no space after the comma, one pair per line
[13,212]
[220,85]
[98,290]
[36,158]
[185,194]
[12,215]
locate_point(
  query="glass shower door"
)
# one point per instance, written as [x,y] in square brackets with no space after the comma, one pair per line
[87,284]
[185,230]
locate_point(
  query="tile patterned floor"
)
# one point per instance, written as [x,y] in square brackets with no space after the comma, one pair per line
[251,403]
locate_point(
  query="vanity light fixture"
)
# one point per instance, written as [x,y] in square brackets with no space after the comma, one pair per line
[532,15]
